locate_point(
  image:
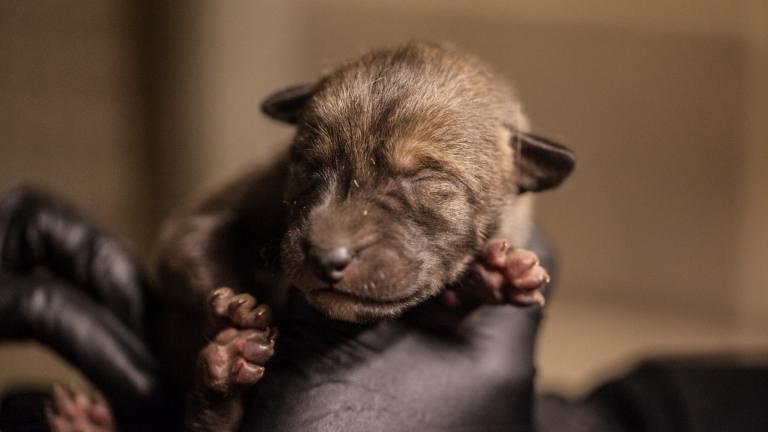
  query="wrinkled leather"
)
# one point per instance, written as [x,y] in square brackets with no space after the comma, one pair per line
[84,333]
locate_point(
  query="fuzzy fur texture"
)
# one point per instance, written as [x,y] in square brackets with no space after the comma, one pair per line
[406,159]
[404,156]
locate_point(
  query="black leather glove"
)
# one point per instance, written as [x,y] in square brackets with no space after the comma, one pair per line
[88,303]
[86,334]
[39,231]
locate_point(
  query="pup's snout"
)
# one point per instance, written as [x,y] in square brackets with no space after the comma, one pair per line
[329,263]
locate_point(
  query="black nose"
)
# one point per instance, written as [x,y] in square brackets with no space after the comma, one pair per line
[329,264]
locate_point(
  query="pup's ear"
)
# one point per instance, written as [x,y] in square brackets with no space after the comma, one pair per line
[286,104]
[541,163]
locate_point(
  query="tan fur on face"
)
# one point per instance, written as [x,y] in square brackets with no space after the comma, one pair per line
[407,154]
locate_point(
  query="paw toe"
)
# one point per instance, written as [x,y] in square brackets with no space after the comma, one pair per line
[249,316]
[532,279]
[495,254]
[257,349]
[519,262]
[245,373]
[219,301]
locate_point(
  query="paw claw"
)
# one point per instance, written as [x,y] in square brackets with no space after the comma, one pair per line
[239,300]
[519,262]
[533,279]
[273,334]
[260,317]
[214,296]
[220,292]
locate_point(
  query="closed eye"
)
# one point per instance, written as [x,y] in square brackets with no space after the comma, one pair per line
[432,179]
[424,174]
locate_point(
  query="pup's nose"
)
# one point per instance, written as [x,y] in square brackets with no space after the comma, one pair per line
[329,264]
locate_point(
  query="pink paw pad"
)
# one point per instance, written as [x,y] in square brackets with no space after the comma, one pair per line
[242,340]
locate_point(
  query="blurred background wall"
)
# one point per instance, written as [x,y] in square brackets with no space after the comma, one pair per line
[130,108]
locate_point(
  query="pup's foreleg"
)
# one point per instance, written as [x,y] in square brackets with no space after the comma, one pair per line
[241,341]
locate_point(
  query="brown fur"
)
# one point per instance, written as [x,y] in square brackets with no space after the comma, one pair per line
[410,157]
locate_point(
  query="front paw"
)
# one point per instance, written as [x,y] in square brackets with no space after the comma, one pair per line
[242,340]
[501,274]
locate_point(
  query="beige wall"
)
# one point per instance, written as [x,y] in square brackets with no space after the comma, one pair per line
[662,228]
[70,117]
[753,283]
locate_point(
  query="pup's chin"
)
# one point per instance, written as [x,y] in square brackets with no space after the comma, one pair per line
[349,307]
